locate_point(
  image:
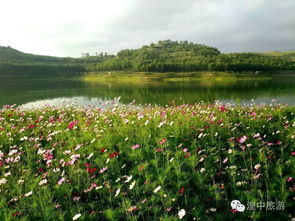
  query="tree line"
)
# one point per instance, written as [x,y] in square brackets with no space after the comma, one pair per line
[184,56]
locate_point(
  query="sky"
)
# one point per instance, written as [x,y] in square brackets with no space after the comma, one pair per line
[70,27]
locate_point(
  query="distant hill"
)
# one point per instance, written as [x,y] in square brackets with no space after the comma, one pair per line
[169,49]
[282,54]
[163,56]
[8,54]
[184,56]
[11,55]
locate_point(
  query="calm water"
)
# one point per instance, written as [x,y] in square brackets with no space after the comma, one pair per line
[36,91]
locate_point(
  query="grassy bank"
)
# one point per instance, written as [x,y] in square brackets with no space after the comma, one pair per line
[155,163]
[141,77]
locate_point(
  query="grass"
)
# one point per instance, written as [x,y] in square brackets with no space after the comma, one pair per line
[152,163]
[143,77]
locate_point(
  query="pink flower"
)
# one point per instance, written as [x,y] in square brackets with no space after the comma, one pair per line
[135,146]
[290,179]
[103,169]
[61,181]
[225,160]
[222,108]
[185,150]
[241,139]
[72,124]
[164,140]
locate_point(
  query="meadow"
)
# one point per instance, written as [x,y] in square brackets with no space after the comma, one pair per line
[144,77]
[172,162]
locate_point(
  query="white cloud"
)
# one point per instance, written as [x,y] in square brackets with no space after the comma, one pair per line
[67,28]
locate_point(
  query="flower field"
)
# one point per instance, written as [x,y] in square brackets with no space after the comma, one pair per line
[183,162]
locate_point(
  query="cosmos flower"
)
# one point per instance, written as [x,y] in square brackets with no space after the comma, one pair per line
[257,166]
[103,169]
[3,181]
[42,182]
[72,124]
[77,216]
[117,192]
[181,190]
[132,209]
[222,108]
[91,170]
[132,185]
[163,141]
[29,194]
[135,146]
[241,139]
[202,170]
[114,154]
[157,189]
[181,213]
[103,150]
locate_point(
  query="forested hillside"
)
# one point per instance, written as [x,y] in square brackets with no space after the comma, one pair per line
[14,61]
[184,56]
[163,56]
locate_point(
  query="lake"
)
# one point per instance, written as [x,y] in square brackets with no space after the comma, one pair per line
[35,91]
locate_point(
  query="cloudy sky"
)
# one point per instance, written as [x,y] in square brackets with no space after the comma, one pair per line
[69,27]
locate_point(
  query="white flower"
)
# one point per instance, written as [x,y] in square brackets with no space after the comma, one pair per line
[203,170]
[43,182]
[181,213]
[2,181]
[90,155]
[212,209]
[128,179]
[257,166]
[77,216]
[7,174]
[29,193]
[157,189]
[117,192]
[20,181]
[98,187]
[132,185]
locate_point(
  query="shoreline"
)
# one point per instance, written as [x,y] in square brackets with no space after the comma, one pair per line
[174,76]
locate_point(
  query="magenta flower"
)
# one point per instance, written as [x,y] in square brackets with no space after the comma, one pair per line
[72,124]
[222,108]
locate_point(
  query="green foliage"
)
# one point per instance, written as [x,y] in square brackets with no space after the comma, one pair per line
[146,164]
[163,56]
[173,56]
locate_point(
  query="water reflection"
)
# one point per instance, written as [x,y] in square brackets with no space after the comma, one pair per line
[36,90]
